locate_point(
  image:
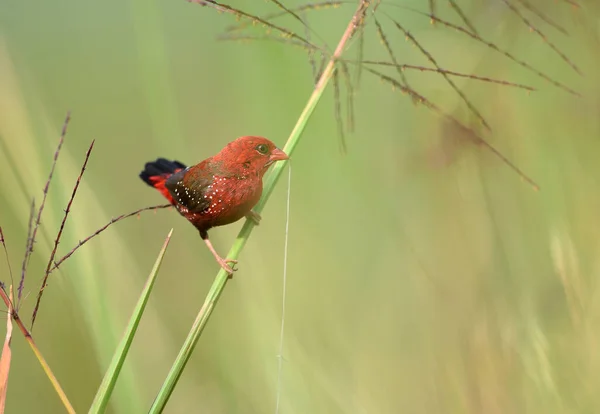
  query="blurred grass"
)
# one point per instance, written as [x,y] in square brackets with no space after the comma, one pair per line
[423,275]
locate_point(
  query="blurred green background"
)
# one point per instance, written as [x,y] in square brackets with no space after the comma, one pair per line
[423,276]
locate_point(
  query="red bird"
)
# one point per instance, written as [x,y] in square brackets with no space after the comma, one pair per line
[219,190]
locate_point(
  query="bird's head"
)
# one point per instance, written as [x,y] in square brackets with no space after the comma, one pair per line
[251,155]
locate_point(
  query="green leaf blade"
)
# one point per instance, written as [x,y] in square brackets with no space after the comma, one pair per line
[110,378]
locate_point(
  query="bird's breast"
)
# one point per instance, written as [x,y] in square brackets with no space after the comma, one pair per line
[230,199]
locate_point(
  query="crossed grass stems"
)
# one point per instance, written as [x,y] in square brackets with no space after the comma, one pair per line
[345,75]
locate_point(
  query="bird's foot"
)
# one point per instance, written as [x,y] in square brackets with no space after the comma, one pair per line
[255,217]
[225,265]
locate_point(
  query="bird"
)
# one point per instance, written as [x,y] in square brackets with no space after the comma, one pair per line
[219,190]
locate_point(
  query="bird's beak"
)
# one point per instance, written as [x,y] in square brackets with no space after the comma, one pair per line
[277,155]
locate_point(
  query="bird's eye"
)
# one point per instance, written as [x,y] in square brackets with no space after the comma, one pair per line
[262,148]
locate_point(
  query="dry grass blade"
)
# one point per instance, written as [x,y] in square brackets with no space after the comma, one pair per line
[53,380]
[411,92]
[527,5]
[311,49]
[255,19]
[543,36]
[101,229]
[58,236]
[507,54]
[384,41]
[288,11]
[307,29]
[468,132]
[360,18]
[29,249]
[463,17]
[448,79]
[6,254]
[311,55]
[359,27]
[386,44]
[338,111]
[432,7]
[360,53]
[299,9]
[27,246]
[321,67]
[345,72]
[451,73]
[242,38]
[6,357]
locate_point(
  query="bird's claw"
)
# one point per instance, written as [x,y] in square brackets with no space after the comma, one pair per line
[255,217]
[229,269]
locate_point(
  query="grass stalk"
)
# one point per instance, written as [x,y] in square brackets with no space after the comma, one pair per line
[220,281]
[38,354]
[110,378]
[58,236]
[6,357]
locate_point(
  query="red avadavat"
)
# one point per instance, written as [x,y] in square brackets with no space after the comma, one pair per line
[219,190]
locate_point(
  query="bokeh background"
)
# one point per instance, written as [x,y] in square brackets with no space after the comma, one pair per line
[424,276]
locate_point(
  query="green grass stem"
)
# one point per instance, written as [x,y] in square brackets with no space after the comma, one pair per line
[220,281]
[110,378]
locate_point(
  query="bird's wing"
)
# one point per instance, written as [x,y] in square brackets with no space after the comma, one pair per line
[190,192]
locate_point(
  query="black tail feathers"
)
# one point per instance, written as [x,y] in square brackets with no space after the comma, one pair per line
[160,167]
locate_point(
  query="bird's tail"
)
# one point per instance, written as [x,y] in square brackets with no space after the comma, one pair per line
[156,173]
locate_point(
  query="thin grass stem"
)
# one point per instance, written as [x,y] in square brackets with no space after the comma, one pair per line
[10,272]
[222,277]
[28,243]
[29,249]
[27,334]
[101,229]
[534,29]
[448,72]
[58,236]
